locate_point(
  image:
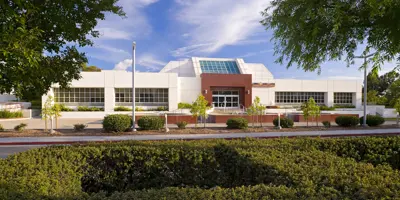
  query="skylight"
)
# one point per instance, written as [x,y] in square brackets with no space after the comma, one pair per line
[219,67]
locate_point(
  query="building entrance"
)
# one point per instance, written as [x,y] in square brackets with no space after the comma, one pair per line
[225,98]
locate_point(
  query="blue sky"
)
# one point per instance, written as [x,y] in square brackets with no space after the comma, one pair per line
[166,30]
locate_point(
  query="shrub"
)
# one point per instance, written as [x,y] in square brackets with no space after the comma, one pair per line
[122,108]
[79,127]
[151,123]
[347,121]
[64,108]
[345,106]
[162,108]
[373,120]
[327,124]
[117,123]
[1,128]
[237,123]
[139,109]
[285,122]
[20,127]
[183,105]
[89,109]
[5,114]
[323,107]
[181,125]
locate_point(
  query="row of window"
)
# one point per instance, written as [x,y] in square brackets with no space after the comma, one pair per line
[143,96]
[340,98]
[343,98]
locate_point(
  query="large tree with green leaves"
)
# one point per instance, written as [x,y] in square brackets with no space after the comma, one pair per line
[381,83]
[39,40]
[308,33]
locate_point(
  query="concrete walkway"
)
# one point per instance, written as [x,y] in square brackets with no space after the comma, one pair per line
[84,139]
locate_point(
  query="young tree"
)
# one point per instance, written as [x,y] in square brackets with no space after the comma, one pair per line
[39,39]
[259,108]
[48,113]
[199,108]
[306,111]
[314,110]
[57,112]
[251,111]
[397,107]
[309,33]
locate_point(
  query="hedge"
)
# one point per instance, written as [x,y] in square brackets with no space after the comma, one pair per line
[373,120]
[5,114]
[347,121]
[300,168]
[90,109]
[117,123]
[237,123]
[151,123]
[284,122]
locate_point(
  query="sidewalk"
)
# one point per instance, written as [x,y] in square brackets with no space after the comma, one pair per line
[85,139]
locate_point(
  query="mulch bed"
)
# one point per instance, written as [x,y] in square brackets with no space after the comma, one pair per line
[199,130]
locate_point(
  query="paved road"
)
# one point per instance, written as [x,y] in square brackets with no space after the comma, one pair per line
[8,150]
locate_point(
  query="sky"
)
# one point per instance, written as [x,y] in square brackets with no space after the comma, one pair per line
[167,30]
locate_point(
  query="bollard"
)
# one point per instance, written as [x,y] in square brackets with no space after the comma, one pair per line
[279,122]
[166,123]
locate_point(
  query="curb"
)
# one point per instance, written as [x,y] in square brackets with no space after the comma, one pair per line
[227,138]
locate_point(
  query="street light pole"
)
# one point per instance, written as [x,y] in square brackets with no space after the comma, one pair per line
[133,86]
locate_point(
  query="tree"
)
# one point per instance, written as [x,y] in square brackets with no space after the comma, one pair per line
[39,39]
[314,110]
[259,108]
[309,33]
[57,112]
[397,107]
[91,68]
[199,108]
[380,84]
[374,98]
[251,111]
[306,111]
[48,113]
[393,93]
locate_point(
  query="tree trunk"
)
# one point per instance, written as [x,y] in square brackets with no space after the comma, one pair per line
[252,121]
[204,121]
[307,122]
[45,124]
[261,120]
[397,121]
[56,122]
[316,119]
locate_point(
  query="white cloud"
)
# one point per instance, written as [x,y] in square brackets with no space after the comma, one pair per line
[250,54]
[107,53]
[220,23]
[146,60]
[108,33]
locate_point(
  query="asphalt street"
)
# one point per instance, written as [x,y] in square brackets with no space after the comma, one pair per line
[12,149]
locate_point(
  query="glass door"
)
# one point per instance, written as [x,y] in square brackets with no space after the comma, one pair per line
[226,99]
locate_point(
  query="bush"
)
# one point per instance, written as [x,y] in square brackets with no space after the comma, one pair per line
[20,127]
[64,108]
[162,108]
[117,123]
[323,107]
[1,128]
[327,124]
[237,123]
[79,127]
[345,106]
[122,108]
[181,125]
[151,123]
[347,121]
[139,109]
[182,105]
[89,109]
[373,120]
[285,122]
[5,114]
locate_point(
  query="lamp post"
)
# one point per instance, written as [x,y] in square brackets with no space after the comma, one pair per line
[133,86]
[365,86]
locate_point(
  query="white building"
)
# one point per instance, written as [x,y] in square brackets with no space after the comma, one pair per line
[226,83]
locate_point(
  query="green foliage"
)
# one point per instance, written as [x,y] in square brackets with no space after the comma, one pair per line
[91,68]
[1,128]
[380,84]
[182,124]
[183,105]
[117,123]
[347,121]
[139,109]
[393,93]
[373,120]
[345,106]
[237,123]
[374,99]
[20,127]
[151,123]
[65,108]
[323,107]
[327,124]
[300,168]
[30,28]
[122,108]
[5,114]
[285,122]
[162,108]
[307,34]
[89,109]
[79,127]
[199,108]
[397,106]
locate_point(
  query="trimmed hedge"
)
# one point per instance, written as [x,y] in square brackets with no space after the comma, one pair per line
[117,123]
[89,109]
[151,123]
[285,122]
[183,105]
[182,124]
[347,121]
[122,108]
[5,114]
[373,120]
[237,123]
[243,169]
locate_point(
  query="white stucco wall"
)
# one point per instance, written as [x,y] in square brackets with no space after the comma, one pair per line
[189,89]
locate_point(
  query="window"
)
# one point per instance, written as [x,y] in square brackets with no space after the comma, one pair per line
[143,96]
[343,98]
[79,96]
[219,67]
[299,97]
